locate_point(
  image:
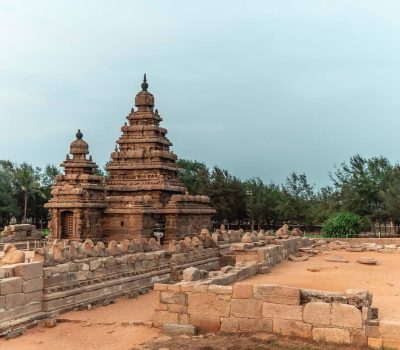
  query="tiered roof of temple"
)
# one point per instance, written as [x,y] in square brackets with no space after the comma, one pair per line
[143,163]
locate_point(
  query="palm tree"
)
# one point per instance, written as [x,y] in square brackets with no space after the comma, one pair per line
[28,182]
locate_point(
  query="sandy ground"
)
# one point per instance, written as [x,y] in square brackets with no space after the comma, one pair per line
[84,331]
[383,279]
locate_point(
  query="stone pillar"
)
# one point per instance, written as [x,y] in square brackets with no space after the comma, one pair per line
[171,227]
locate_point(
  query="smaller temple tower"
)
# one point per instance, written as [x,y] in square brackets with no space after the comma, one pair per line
[78,196]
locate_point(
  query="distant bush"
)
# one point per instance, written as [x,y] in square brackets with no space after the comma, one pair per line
[343,224]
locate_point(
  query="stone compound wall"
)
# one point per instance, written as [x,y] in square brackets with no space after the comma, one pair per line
[31,291]
[21,291]
[89,281]
[322,316]
[268,255]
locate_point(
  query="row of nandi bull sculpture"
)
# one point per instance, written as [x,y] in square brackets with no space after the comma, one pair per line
[65,250]
[234,236]
[186,245]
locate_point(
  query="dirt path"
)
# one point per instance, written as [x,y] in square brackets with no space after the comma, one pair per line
[383,279]
[96,329]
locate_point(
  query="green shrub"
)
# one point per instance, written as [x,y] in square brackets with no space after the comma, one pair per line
[344,224]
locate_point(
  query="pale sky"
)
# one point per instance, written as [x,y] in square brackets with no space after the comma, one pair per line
[260,88]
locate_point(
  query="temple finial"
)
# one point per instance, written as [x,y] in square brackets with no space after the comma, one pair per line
[79,135]
[144,84]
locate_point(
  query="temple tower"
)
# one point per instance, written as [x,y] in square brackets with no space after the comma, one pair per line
[78,196]
[143,189]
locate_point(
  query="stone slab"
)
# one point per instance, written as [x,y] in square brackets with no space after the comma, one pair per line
[179,329]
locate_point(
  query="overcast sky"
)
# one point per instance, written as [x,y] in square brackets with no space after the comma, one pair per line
[260,88]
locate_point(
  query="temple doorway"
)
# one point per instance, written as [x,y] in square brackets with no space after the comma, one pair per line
[67,224]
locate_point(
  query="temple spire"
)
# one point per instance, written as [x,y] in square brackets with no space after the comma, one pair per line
[144,84]
[79,135]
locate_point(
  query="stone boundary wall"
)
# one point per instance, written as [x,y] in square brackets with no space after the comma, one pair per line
[31,291]
[89,281]
[321,316]
[268,255]
[21,291]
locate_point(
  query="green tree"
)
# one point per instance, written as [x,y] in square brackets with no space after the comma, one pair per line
[47,179]
[195,176]
[363,186]
[227,195]
[258,201]
[8,200]
[296,198]
[28,182]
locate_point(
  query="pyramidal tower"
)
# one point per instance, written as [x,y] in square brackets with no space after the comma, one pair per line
[143,190]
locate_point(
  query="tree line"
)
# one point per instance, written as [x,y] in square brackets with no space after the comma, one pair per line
[368,187]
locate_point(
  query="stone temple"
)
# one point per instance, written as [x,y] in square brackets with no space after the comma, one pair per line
[141,194]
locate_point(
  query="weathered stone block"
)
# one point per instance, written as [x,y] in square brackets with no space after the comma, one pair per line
[201,288]
[14,300]
[331,335]
[11,285]
[33,285]
[372,331]
[2,302]
[29,271]
[359,297]
[187,287]
[61,268]
[206,323]
[389,329]
[291,328]
[179,329]
[160,286]
[164,317]
[247,308]
[286,312]
[226,290]
[242,291]
[34,297]
[278,294]
[81,276]
[177,308]
[347,316]
[174,288]
[357,337]
[25,310]
[317,313]
[255,325]
[95,264]
[229,325]
[6,315]
[173,298]
[207,304]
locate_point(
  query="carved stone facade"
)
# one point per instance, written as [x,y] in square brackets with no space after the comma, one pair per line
[78,197]
[142,193]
